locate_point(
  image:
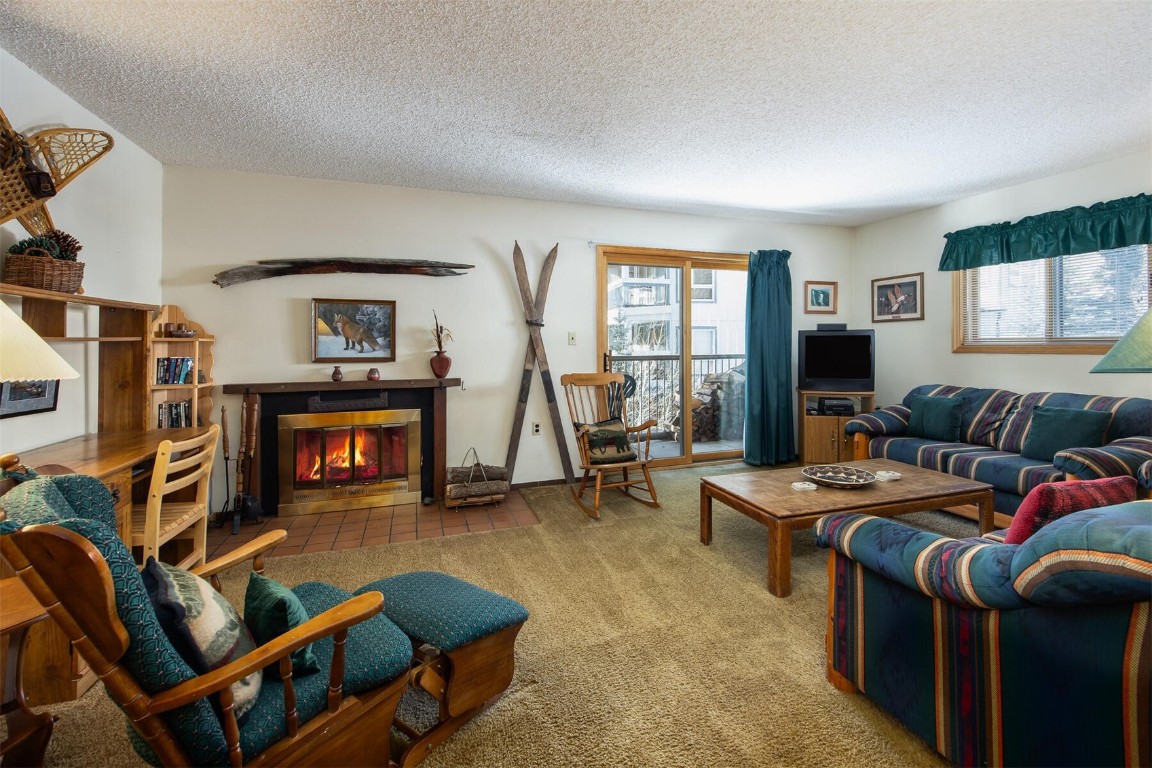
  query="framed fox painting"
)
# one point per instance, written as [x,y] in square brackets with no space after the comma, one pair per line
[353,331]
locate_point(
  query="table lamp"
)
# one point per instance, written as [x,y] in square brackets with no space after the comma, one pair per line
[24,356]
[1132,353]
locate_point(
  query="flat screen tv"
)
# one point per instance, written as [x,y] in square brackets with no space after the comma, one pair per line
[837,361]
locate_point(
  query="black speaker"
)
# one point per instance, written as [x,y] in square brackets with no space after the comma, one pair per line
[831,326]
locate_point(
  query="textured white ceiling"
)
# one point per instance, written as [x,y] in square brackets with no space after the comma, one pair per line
[822,110]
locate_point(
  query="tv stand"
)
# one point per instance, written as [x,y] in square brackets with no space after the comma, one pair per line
[822,439]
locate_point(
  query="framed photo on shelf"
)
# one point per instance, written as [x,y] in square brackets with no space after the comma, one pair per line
[20,398]
[819,298]
[898,298]
[353,331]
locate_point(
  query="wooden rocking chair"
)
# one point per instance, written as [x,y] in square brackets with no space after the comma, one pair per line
[608,446]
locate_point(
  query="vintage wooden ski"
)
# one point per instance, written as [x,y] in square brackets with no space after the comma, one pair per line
[534,316]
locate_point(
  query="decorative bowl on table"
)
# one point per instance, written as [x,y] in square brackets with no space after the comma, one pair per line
[837,476]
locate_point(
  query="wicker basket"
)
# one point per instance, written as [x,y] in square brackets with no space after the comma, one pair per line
[40,272]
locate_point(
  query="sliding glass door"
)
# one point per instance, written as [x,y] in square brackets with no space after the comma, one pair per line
[674,322]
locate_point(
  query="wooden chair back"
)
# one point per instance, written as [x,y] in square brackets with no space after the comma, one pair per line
[178,498]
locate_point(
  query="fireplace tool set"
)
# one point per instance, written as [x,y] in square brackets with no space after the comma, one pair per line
[244,506]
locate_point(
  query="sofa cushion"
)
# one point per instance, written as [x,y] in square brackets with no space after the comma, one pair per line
[270,610]
[1120,457]
[1005,472]
[984,409]
[202,625]
[1056,429]
[1101,555]
[1050,501]
[921,452]
[936,418]
[1131,416]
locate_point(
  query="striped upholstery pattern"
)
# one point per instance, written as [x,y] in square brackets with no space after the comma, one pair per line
[1123,456]
[891,420]
[1130,415]
[994,426]
[984,409]
[976,682]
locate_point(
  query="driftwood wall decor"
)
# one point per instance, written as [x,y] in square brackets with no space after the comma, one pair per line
[266,268]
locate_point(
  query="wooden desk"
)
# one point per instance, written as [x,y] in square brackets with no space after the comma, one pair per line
[117,459]
[28,733]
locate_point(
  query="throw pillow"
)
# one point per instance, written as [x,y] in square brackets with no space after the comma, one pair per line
[1054,429]
[1050,501]
[935,418]
[608,442]
[270,610]
[202,626]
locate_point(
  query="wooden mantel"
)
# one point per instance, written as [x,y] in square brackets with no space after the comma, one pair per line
[328,386]
[431,394]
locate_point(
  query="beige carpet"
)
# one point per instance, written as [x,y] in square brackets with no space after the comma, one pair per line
[644,648]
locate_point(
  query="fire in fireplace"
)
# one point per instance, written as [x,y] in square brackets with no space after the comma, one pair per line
[346,460]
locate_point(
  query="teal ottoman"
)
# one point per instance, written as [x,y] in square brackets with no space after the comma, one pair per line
[464,643]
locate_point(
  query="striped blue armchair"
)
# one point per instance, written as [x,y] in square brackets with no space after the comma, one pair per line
[1036,654]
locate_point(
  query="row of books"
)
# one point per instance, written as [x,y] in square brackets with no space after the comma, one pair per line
[173,370]
[170,415]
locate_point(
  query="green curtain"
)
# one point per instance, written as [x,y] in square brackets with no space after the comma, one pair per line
[1100,227]
[769,434]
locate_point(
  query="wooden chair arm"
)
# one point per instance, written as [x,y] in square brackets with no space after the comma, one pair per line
[253,550]
[335,619]
[641,427]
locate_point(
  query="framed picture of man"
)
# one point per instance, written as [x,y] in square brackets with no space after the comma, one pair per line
[819,298]
[898,298]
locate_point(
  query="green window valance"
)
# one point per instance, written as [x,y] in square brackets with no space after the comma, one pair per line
[1099,227]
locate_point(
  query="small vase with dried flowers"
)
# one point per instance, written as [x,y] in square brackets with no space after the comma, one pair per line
[440,362]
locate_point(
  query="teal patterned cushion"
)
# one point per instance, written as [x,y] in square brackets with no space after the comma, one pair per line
[150,658]
[48,499]
[202,626]
[447,612]
[83,504]
[1101,555]
[376,652]
[270,610]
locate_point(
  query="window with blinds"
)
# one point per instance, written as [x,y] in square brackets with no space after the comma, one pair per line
[1072,304]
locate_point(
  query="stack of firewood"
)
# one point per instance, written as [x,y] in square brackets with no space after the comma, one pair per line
[476,484]
[717,408]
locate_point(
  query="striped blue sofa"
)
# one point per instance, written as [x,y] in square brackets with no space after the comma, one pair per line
[994,425]
[1031,654]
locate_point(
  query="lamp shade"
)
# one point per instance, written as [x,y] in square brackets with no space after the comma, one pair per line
[1132,353]
[24,356]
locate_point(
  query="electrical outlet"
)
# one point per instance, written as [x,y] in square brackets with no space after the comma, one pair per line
[572,338]
[535,427]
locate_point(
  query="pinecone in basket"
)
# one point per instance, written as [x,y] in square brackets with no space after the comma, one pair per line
[36,246]
[69,246]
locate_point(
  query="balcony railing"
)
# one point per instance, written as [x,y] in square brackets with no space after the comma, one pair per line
[658,380]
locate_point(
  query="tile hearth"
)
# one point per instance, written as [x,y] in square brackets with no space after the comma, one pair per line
[330,531]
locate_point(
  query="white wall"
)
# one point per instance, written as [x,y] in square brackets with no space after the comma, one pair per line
[113,208]
[216,220]
[920,352]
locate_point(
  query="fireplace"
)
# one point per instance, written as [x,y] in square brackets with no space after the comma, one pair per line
[348,460]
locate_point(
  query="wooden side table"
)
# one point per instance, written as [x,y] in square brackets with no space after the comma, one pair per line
[28,732]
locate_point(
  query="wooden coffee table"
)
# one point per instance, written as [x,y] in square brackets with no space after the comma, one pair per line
[767,497]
